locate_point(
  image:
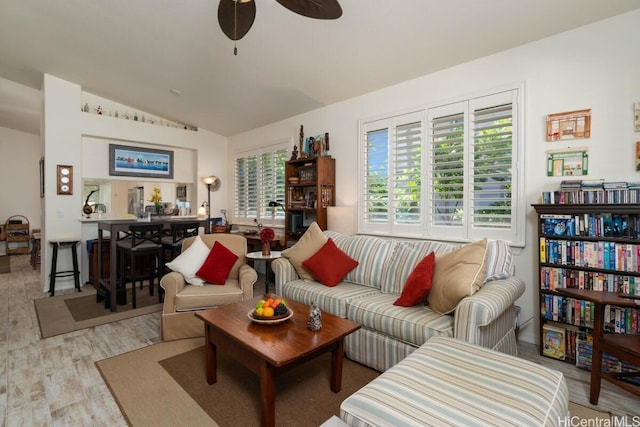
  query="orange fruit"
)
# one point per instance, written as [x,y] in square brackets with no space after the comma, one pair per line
[267,312]
[275,303]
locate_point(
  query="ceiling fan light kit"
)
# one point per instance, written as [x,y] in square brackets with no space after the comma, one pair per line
[236,16]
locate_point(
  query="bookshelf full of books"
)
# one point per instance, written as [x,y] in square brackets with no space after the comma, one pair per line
[594,191]
[590,246]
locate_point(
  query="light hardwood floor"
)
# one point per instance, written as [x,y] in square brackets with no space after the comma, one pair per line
[54,381]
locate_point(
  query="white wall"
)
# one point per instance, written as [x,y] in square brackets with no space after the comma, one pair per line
[592,67]
[64,130]
[20,154]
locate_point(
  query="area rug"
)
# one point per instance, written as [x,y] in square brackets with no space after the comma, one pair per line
[5,264]
[165,384]
[71,312]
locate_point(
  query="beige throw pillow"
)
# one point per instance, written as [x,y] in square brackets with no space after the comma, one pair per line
[311,241]
[457,274]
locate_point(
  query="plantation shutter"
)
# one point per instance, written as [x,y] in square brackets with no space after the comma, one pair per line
[272,166]
[375,179]
[447,171]
[259,179]
[472,159]
[407,171]
[246,187]
[391,180]
[493,162]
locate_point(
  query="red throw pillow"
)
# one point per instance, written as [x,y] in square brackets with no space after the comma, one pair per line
[218,264]
[330,264]
[418,283]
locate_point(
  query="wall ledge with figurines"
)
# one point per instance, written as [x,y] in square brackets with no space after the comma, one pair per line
[94,104]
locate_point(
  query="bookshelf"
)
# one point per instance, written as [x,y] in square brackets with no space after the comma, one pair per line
[594,191]
[310,188]
[587,249]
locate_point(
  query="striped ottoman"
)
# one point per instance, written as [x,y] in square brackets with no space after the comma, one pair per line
[451,382]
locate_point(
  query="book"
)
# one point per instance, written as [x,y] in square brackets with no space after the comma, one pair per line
[553,341]
[607,224]
[558,225]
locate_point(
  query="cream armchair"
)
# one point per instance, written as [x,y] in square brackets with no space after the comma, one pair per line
[182,300]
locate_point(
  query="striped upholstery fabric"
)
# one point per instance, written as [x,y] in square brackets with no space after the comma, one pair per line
[330,299]
[499,260]
[406,256]
[284,273]
[448,382]
[476,313]
[412,325]
[377,351]
[390,333]
[372,254]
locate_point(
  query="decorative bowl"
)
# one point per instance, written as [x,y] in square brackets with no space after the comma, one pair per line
[272,320]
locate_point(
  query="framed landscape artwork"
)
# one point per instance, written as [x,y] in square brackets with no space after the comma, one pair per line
[140,162]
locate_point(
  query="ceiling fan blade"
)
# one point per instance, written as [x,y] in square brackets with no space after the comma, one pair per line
[236,27]
[319,9]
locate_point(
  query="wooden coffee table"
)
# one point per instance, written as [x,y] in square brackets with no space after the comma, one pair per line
[269,350]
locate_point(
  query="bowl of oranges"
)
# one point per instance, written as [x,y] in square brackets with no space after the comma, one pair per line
[270,311]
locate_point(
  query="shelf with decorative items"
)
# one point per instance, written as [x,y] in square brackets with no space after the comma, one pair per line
[93,104]
[310,189]
[586,248]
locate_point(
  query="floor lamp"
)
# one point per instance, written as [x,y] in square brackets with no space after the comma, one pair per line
[213,184]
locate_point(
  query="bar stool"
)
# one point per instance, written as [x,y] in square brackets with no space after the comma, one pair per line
[179,232]
[144,240]
[64,243]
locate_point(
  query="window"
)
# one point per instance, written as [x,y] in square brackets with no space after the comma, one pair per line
[392,189]
[259,179]
[447,172]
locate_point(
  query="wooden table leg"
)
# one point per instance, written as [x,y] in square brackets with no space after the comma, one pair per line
[337,359]
[212,361]
[268,394]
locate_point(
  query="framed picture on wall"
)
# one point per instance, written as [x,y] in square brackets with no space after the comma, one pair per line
[140,162]
[568,162]
[569,125]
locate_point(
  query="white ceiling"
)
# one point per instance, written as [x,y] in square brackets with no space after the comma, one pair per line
[135,51]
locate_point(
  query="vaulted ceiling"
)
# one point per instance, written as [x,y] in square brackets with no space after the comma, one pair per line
[136,51]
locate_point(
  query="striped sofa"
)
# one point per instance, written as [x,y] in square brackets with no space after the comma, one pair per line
[447,382]
[390,333]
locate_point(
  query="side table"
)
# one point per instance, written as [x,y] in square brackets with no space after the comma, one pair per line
[257,256]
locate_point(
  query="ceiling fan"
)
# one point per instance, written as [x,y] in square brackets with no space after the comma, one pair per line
[236,16]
